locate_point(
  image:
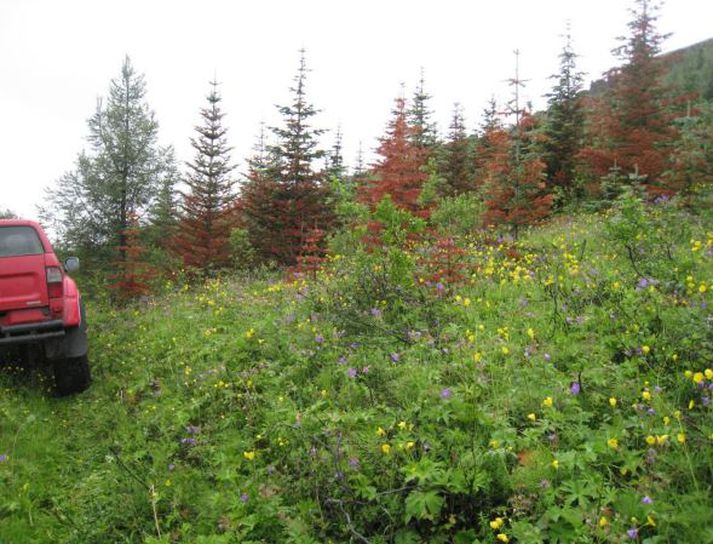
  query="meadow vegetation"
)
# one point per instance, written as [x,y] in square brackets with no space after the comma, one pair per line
[449,387]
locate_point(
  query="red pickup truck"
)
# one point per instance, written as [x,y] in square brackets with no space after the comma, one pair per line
[40,307]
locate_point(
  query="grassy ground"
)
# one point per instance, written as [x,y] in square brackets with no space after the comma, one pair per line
[558,392]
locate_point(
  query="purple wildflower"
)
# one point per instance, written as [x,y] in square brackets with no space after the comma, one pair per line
[651,412]
[647,500]
[244,497]
[319,338]
[188,441]
[352,372]
[375,312]
[633,533]
[575,388]
[3,457]
[446,393]
[365,370]
[342,360]
[193,429]
[354,462]
[440,286]
[395,357]
[706,401]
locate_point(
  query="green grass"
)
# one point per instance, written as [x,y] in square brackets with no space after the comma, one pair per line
[389,410]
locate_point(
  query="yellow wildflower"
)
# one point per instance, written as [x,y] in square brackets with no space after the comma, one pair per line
[709,373]
[531,333]
[661,439]
[688,374]
[531,417]
[380,432]
[497,523]
[603,521]
[505,350]
[477,357]
[385,449]
[249,455]
[698,377]
[555,464]
[502,537]
[403,425]
[691,404]
[645,350]
[613,443]
[646,395]
[651,440]
[612,402]
[681,437]
[547,403]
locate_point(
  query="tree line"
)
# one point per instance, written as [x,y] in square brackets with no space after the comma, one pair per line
[129,204]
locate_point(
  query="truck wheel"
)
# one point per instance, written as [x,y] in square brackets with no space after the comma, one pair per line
[72,375]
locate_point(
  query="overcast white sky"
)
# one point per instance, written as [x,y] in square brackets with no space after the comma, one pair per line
[58,57]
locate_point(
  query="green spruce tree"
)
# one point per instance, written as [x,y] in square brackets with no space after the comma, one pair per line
[117,179]
[564,124]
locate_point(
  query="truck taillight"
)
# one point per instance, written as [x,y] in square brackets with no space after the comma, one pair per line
[54,282]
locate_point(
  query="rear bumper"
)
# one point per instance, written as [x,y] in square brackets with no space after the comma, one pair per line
[26,333]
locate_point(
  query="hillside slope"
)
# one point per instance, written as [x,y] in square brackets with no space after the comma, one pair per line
[557,390]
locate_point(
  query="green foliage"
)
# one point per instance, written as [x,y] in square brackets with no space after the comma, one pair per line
[459,215]
[242,252]
[120,178]
[552,396]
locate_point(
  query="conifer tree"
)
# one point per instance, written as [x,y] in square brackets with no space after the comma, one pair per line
[399,173]
[117,179]
[164,213]
[299,194]
[456,162]
[691,160]
[204,229]
[424,133]
[515,188]
[335,161]
[564,125]
[491,123]
[256,202]
[635,126]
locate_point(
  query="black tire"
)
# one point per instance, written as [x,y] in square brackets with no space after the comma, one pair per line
[72,375]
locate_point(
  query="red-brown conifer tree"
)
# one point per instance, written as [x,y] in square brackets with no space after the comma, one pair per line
[204,229]
[399,172]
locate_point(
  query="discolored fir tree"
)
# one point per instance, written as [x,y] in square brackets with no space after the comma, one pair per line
[491,123]
[456,161]
[515,190]
[632,126]
[399,173]
[256,200]
[205,225]
[298,193]
[564,124]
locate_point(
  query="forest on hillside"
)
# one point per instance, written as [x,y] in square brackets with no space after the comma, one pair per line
[136,213]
